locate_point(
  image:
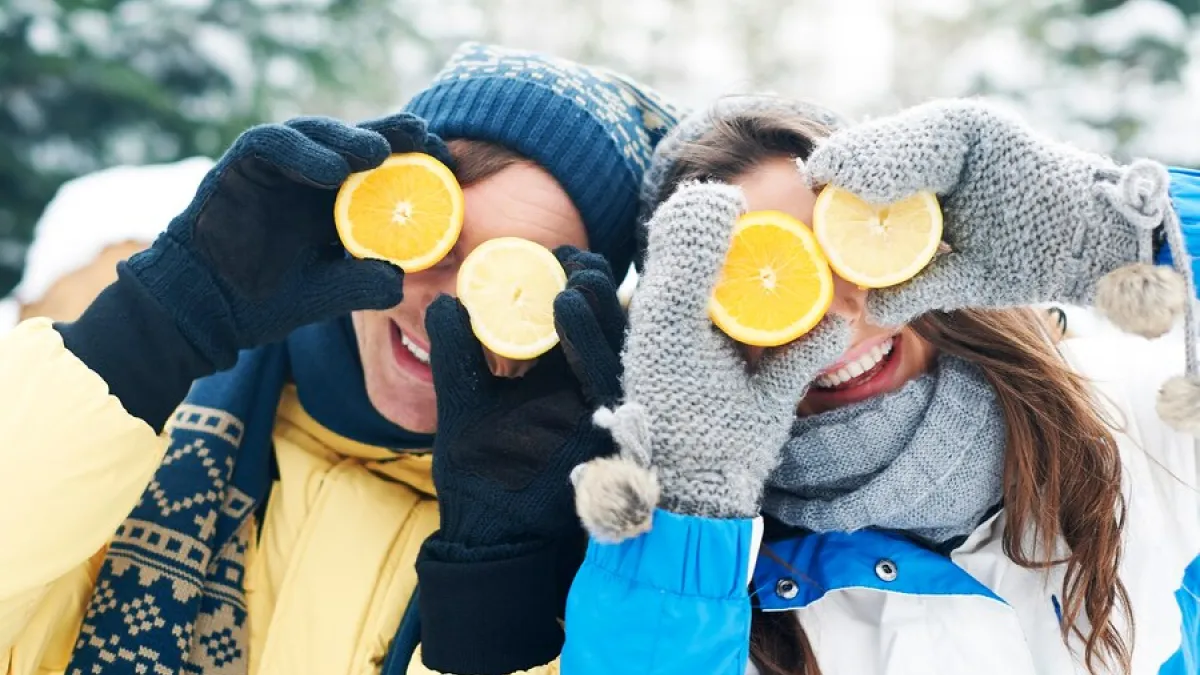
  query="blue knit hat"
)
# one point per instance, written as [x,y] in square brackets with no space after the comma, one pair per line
[592,129]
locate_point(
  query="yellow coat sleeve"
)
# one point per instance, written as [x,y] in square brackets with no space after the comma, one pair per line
[415,667]
[72,465]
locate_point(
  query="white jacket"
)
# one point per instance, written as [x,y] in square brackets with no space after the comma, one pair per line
[874,603]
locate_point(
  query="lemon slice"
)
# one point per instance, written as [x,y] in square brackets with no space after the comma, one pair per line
[508,286]
[408,211]
[775,285]
[877,246]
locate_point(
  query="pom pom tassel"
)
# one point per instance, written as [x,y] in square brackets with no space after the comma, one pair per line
[615,497]
[1142,299]
[1179,404]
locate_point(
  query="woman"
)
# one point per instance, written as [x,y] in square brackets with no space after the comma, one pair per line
[942,491]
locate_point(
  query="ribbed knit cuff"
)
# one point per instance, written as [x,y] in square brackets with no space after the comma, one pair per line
[491,617]
[127,339]
[189,293]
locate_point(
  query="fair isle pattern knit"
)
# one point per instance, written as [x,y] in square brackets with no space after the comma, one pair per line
[174,563]
[169,597]
[634,116]
[592,129]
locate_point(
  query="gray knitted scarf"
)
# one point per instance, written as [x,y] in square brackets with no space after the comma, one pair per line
[926,459]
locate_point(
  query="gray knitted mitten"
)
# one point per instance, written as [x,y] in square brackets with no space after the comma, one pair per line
[1028,220]
[696,428]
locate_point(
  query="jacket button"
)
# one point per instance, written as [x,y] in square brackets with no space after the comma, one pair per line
[886,570]
[786,589]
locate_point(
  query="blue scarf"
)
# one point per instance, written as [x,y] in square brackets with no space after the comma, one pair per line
[169,597]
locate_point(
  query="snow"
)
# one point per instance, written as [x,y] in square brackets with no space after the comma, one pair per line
[24,111]
[856,56]
[189,5]
[1118,29]
[43,36]
[1000,59]
[88,214]
[225,48]
[92,28]
[283,72]
[1172,137]
[944,10]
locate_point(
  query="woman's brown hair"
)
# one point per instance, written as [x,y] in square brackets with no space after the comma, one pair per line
[1062,471]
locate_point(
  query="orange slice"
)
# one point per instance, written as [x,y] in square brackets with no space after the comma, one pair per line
[775,285]
[508,286]
[407,211]
[877,246]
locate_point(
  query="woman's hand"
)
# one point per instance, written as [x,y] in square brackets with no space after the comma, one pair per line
[695,424]
[1027,220]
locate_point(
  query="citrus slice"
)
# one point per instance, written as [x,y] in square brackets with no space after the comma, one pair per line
[407,211]
[877,246]
[775,284]
[508,286]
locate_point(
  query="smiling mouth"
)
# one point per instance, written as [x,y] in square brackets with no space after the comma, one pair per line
[418,353]
[859,371]
[407,349]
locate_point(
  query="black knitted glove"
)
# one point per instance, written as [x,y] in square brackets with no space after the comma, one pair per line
[494,578]
[255,256]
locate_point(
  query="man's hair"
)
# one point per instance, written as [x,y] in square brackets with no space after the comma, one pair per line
[479,160]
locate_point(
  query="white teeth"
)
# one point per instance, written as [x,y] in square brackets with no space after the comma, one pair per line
[857,367]
[421,354]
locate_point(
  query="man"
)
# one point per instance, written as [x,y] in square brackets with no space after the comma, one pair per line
[278,532]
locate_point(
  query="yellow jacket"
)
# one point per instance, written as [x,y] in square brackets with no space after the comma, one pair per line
[326,583]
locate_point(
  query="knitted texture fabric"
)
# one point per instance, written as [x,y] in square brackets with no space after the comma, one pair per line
[926,459]
[593,130]
[505,446]
[696,124]
[170,595]
[1028,220]
[712,428]
[256,254]
[501,462]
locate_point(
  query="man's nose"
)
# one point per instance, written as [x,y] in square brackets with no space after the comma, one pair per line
[849,301]
[422,288]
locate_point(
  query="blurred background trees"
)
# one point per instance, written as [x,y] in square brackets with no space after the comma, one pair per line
[86,84]
[91,83]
